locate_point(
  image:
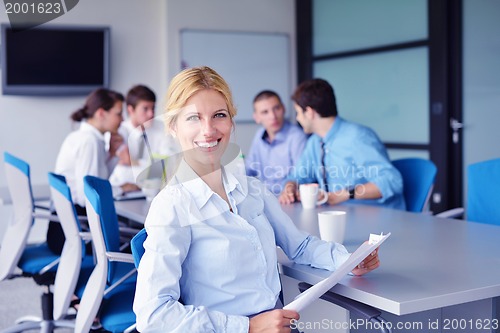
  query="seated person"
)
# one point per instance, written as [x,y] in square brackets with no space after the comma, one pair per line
[83,152]
[207,221]
[348,160]
[145,137]
[277,146]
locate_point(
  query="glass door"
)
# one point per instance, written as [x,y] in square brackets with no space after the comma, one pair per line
[390,71]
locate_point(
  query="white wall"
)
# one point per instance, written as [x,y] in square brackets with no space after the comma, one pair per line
[33,128]
[276,16]
[144,49]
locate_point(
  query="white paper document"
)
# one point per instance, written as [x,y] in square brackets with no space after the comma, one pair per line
[315,292]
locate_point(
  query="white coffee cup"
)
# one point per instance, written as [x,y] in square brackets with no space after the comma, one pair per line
[309,195]
[332,225]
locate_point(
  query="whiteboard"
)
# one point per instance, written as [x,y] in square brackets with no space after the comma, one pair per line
[250,62]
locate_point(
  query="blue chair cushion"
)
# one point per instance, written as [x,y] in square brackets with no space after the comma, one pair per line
[418,177]
[482,193]
[116,310]
[120,269]
[137,246]
[36,257]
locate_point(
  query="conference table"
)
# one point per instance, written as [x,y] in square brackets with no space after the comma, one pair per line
[432,269]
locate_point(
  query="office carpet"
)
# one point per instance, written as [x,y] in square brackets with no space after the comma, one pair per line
[20,297]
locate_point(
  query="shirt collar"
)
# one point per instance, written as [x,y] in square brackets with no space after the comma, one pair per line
[332,132]
[280,135]
[200,191]
[86,127]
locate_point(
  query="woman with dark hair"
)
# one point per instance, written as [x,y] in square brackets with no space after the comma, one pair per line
[83,152]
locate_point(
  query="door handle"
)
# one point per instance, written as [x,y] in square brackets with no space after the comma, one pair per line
[455,127]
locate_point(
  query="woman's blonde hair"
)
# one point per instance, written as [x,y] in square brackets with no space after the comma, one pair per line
[187,83]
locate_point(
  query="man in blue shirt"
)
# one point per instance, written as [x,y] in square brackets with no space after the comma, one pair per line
[348,160]
[276,146]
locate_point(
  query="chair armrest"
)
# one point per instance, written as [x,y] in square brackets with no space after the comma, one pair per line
[42,207]
[85,235]
[452,213]
[362,310]
[49,217]
[49,266]
[121,257]
[82,218]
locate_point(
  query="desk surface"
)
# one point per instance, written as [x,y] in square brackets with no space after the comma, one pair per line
[427,262]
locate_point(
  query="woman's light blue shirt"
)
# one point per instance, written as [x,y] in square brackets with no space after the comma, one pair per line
[222,264]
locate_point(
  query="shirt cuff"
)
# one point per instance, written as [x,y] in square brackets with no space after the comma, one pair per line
[237,324]
[341,255]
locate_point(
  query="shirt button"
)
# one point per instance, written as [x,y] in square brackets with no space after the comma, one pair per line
[259,248]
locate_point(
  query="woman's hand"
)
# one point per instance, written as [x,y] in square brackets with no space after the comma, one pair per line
[368,264]
[123,155]
[130,187]
[273,321]
[115,141]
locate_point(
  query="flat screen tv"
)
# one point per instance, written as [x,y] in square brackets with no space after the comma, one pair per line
[54,60]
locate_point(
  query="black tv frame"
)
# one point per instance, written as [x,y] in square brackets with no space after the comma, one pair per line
[53,89]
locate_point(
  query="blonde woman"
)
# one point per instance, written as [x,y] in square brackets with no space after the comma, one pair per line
[210,260]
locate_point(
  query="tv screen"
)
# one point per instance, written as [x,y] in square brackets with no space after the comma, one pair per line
[54,60]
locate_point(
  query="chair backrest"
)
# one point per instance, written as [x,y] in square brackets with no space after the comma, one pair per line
[98,280]
[99,197]
[103,225]
[137,247]
[483,198]
[73,251]
[418,180]
[17,173]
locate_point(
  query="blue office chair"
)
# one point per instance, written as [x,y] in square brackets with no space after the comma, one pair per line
[483,199]
[482,196]
[418,181]
[136,245]
[75,265]
[35,260]
[110,289]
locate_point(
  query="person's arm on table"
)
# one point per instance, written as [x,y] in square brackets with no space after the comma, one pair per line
[306,249]
[301,173]
[359,192]
[289,194]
